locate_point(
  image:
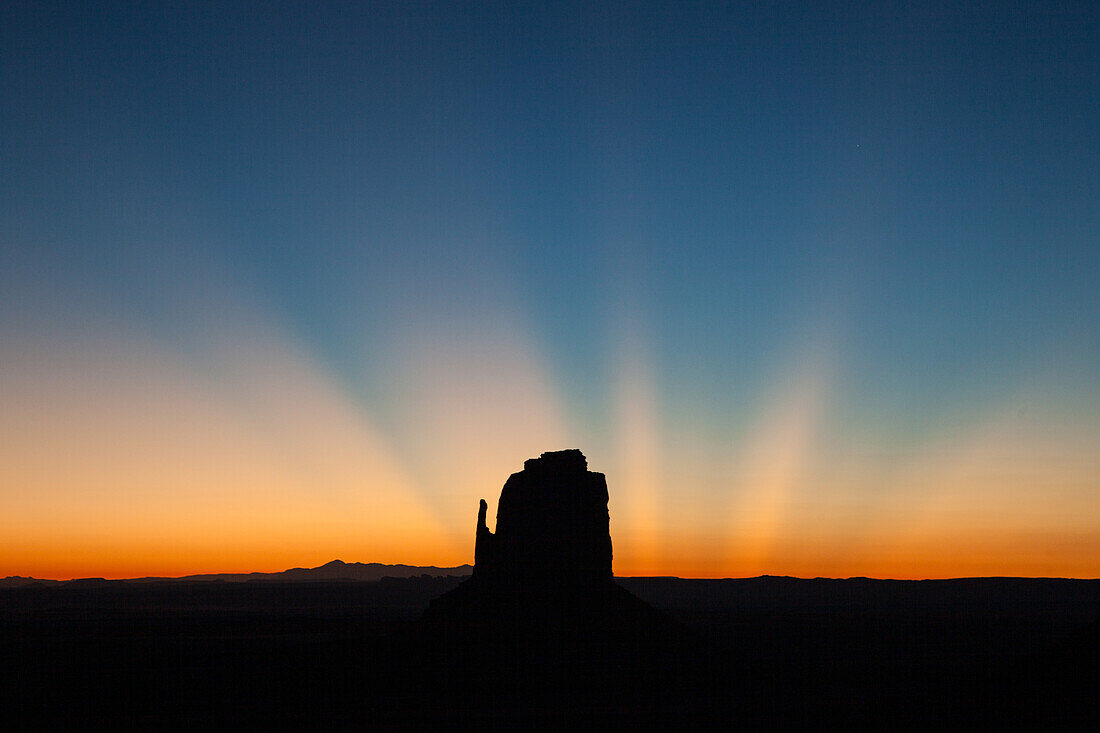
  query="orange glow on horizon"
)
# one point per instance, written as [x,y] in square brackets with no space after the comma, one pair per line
[1053,555]
[994,555]
[120,461]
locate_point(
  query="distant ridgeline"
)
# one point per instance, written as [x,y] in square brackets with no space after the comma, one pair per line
[337,570]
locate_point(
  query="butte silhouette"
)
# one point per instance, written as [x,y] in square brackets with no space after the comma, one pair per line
[550,557]
[541,629]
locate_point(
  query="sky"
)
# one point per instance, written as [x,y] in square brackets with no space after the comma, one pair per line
[816,285]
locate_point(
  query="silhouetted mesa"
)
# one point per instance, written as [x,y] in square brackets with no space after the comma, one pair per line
[551,552]
[552,524]
[541,625]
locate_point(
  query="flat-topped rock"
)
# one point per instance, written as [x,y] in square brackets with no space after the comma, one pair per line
[552,524]
[542,625]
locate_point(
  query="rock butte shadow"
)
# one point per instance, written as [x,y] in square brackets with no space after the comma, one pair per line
[541,628]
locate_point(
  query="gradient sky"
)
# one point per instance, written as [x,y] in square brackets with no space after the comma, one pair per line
[816,285]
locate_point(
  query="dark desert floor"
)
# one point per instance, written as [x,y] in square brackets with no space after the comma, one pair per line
[758,653]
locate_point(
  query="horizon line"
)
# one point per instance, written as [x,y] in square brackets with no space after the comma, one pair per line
[470,565]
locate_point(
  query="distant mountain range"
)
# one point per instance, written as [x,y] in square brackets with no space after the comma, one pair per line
[335,570]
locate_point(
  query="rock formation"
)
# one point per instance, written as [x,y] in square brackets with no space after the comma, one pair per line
[541,628]
[552,525]
[548,562]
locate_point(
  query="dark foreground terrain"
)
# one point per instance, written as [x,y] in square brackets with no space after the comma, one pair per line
[756,653]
